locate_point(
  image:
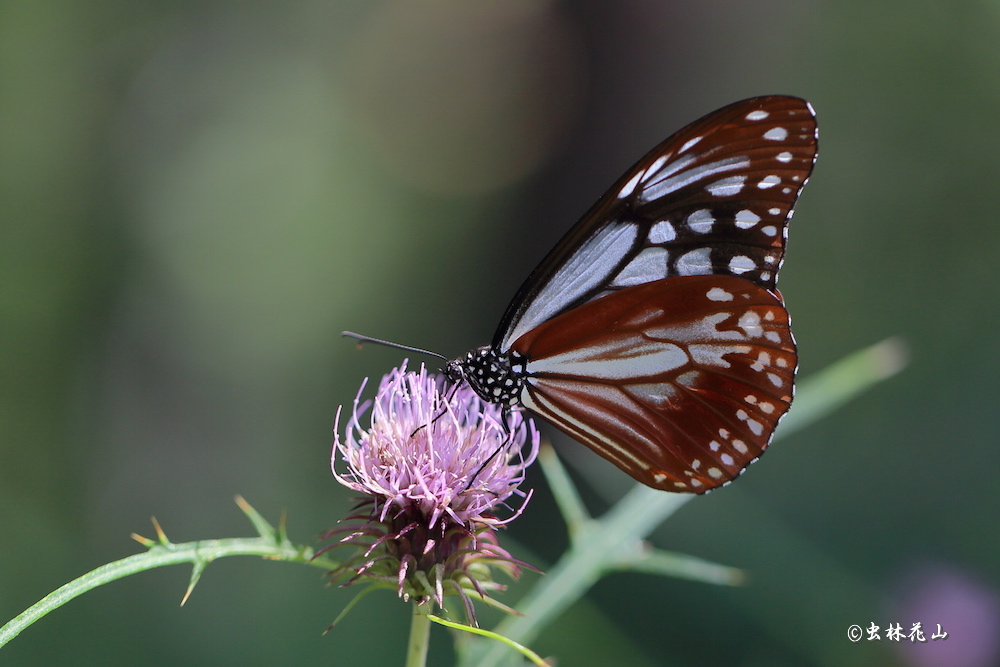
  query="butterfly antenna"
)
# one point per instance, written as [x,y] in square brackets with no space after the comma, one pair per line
[387,343]
[399,346]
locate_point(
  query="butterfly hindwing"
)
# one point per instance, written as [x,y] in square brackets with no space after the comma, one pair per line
[681,403]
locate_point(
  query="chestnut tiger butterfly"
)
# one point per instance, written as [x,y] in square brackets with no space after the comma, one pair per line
[654,332]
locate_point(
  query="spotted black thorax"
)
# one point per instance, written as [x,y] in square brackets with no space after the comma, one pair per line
[497,378]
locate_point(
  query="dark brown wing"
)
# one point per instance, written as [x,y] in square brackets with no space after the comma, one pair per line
[714,198]
[679,382]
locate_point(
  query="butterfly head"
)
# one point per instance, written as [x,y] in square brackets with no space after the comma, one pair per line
[454,370]
[496,377]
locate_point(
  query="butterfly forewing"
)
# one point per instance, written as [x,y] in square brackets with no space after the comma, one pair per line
[714,198]
[679,382]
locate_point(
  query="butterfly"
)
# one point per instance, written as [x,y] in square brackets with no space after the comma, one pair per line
[653,332]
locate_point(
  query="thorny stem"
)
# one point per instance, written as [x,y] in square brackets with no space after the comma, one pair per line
[420,632]
[201,552]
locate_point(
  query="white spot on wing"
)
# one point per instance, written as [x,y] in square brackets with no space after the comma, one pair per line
[711,354]
[750,323]
[701,221]
[656,393]
[618,359]
[755,426]
[741,264]
[763,359]
[760,114]
[676,175]
[784,156]
[630,186]
[769,230]
[662,232]
[689,379]
[776,134]
[701,331]
[745,219]
[655,167]
[719,294]
[726,187]
[689,143]
[648,265]
[769,182]
[695,263]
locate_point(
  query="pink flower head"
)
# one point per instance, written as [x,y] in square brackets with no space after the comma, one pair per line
[437,448]
[435,463]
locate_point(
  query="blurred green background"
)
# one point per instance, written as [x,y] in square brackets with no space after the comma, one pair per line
[197,197]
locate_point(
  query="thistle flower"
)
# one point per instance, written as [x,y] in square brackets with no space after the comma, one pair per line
[435,464]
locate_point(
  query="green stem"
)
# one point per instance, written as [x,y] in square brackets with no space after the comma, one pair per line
[199,553]
[420,634]
[635,516]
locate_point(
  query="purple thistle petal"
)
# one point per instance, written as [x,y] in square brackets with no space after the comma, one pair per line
[441,449]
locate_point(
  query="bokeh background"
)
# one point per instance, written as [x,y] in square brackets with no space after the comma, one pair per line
[197,197]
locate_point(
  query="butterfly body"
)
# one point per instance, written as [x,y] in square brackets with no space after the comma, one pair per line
[654,332]
[497,377]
